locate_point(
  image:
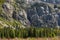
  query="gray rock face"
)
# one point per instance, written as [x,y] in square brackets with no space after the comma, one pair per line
[22,17]
[40,15]
[11,13]
[8,10]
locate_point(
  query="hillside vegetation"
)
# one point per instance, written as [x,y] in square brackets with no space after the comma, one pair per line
[22,19]
[8,32]
[2,1]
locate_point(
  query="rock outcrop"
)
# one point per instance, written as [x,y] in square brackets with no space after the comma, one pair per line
[33,13]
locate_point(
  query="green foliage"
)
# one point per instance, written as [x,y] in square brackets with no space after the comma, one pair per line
[6,32]
[12,33]
[18,32]
[1,33]
[14,23]
[2,1]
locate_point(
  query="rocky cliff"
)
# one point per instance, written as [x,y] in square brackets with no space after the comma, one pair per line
[22,13]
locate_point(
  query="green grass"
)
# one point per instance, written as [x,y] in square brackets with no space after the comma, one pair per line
[13,23]
[2,1]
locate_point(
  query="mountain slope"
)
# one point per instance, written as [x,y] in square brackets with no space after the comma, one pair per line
[17,13]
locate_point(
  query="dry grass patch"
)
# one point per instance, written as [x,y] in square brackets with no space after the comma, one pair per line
[55,38]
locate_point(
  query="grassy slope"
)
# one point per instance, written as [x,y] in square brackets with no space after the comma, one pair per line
[2,1]
[4,21]
[14,22]
[9,23]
